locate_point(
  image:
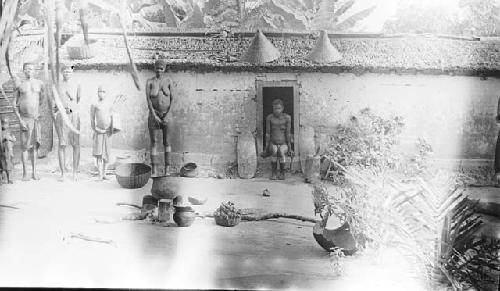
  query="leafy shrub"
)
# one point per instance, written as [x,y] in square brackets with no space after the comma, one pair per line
[389,199]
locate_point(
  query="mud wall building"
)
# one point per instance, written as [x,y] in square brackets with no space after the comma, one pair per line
[446,89]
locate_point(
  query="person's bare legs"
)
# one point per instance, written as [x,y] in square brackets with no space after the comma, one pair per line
[34,155]
[273,150]
[9,181]
[153,152]
[167,149]
[281,159]
[76,162]
[104,166]
[24,159]
[99,168]
[62,161]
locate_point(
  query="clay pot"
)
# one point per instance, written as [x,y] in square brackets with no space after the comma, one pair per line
[337,237]
[184,216]
[189,170]
[165,187]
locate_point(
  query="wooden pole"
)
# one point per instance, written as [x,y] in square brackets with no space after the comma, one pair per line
[53,88]
[84,8]
[59,22]
[133,69]
[49,6]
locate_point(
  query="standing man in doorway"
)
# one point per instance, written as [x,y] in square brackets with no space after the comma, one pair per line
[159,100]
[29,98]
[70,94]
[278,138]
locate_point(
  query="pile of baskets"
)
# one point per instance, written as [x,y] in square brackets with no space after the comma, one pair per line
[227,214]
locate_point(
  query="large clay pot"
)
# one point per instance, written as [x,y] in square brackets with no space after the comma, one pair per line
[184,215]
[335,237]
[165,187]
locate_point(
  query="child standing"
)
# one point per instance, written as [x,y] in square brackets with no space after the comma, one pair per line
[101,123]
[7,141]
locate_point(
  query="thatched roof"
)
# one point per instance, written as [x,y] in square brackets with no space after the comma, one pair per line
[361,53]
[324,52]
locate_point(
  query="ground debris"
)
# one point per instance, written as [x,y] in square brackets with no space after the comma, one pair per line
[135,216]
[8,206]
[128,204]
[89,238]
[107,220]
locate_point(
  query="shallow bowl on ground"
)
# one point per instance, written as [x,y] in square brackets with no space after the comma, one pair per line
[133,175]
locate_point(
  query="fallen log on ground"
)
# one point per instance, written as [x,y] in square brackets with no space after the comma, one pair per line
[277,215]
[266,216]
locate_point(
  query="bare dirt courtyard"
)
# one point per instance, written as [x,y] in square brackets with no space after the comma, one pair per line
[40,244]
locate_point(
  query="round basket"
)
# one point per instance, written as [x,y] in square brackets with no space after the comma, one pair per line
[222,221]
[189,170]
[133,175]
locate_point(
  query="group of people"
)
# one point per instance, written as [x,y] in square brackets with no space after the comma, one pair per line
[30,96]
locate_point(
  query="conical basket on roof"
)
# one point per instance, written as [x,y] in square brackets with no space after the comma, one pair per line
[324,51]
[261,50]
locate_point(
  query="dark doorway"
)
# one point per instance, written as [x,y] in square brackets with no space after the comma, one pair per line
[286,95]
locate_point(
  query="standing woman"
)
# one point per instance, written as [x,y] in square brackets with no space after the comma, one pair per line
[159,100]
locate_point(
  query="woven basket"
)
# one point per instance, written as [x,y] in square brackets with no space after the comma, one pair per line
[133,175]
[219,220]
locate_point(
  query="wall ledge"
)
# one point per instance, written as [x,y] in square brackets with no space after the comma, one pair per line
[279,68]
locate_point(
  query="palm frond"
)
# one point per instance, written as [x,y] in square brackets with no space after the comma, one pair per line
[344,8]
[352,20]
